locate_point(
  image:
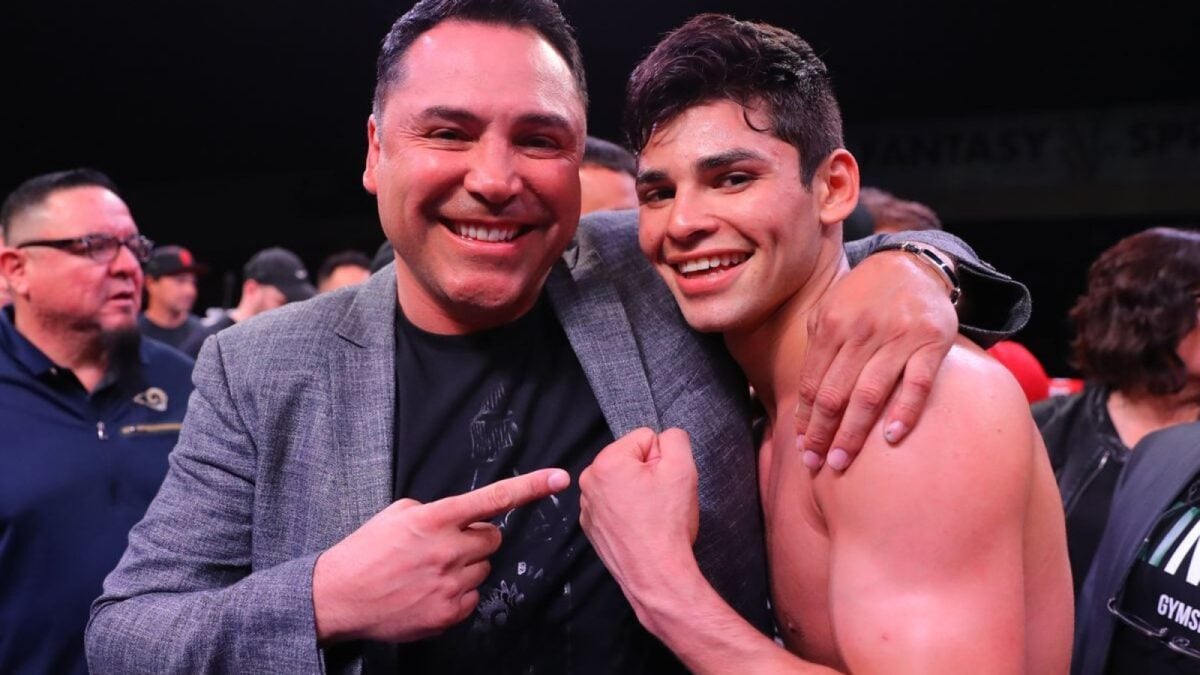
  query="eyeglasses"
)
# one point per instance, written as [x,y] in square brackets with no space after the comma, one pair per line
[101,248]
[1177,644]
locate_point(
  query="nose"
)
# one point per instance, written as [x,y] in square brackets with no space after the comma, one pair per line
[689,218]
[492,176]
[125,263]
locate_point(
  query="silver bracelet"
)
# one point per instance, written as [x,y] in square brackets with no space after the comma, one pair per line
[930,257]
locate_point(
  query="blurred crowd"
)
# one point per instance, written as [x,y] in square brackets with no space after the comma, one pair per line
[100,333]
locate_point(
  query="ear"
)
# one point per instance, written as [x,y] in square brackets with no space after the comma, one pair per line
[836,186]
[369,181]
[12,268]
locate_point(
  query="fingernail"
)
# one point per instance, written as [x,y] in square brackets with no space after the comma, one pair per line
[839,459]
[800,441]
[811,459]
[558,480]
[894,431]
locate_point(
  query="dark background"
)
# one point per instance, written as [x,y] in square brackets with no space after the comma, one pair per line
[235,125]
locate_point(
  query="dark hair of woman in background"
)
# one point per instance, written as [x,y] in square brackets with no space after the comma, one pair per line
[1139,351]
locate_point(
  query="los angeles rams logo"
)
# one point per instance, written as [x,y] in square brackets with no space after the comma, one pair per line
[153,398]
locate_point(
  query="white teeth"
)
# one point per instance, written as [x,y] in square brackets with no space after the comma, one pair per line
[486,233]
[714,262]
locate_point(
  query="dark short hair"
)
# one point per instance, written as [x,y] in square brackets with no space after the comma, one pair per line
[342,259]
[1139,304]
[34,191]
[609,155]
[543,16]
[893,214]
[714,57]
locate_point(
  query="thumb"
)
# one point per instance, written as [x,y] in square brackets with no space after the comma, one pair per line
[676,447]
[640,444]
[654,452]
[679,463]
[403,504]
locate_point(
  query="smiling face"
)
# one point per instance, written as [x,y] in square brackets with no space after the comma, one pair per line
[171,293]
[726,220]
[61,290]
[475,166]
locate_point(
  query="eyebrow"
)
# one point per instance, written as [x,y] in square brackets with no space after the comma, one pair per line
[460,115]
[726,158]
[651,176]
[544,120]
[464,116]
[717,161]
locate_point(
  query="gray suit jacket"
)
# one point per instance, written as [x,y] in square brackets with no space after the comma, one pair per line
[287,448]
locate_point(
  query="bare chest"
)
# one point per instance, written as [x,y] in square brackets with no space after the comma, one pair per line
[798,553]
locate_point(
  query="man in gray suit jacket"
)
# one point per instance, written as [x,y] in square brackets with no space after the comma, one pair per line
[323,511]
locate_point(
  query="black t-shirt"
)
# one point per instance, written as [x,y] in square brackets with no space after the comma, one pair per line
[471,410]
[1163,591]
[175,337]
[1087,517]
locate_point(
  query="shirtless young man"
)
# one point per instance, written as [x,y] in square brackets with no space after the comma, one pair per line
[943,554]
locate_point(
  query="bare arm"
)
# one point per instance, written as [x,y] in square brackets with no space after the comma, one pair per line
[927,546]
[706,634]
[639,509]
[887,327]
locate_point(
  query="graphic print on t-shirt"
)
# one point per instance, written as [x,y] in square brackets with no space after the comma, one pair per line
[478,408]
[1163,593]
[493,434]
[493,431]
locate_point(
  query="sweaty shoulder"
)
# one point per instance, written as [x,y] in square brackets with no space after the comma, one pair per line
[973,444]
[974,398]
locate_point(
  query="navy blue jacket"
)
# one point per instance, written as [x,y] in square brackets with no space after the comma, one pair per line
[77,470]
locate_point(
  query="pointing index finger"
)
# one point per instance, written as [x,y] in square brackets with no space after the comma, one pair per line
[500,497]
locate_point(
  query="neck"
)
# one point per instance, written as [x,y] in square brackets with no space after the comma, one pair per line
[772,352]
[1135,416]
[79,350]
[458,316]
[241,312]
[166,317]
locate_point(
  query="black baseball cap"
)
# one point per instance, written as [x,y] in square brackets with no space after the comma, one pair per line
[167,260]
[282,269]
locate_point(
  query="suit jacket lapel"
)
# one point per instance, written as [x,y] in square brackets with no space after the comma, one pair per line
[1157,490]
[362,378]
[594,319]
[1159,474]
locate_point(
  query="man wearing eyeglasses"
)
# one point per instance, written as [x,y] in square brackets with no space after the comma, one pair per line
[88,409]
